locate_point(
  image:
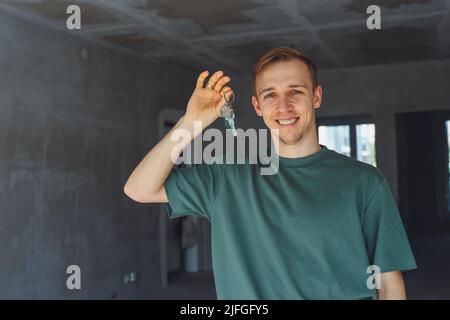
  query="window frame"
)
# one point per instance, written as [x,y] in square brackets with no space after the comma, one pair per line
[350,121]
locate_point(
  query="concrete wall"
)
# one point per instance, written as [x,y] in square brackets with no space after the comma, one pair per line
[71,131]
[73,128]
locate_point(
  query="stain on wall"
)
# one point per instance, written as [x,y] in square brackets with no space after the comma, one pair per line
[56,10]
[207,14]
[134,41]
[361,5]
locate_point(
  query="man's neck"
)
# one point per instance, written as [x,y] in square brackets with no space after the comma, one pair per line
[305,147]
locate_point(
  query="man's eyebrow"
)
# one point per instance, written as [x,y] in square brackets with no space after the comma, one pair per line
[290,86]
[265,90]
[298,85]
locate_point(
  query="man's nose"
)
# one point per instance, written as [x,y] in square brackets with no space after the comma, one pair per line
[284,105]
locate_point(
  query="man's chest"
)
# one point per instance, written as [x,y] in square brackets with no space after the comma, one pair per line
[291,201]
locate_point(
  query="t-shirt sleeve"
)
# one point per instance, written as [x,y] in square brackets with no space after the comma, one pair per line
[386,240]
[192,190]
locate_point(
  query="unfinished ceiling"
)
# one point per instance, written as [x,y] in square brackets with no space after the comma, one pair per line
[232,34]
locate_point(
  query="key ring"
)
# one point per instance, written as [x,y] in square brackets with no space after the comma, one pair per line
[230,100]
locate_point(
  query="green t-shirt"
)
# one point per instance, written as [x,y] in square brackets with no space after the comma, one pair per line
[308,232]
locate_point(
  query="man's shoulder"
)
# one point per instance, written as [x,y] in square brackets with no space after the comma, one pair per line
[355,168]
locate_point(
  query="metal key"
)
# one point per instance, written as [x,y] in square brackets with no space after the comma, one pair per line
[227,112]
[229,124]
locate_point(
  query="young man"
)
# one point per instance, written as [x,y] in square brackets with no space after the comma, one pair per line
[315,230]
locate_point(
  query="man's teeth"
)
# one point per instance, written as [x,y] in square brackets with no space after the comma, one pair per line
[287,121]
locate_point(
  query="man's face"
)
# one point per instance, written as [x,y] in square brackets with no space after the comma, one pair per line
[286,100]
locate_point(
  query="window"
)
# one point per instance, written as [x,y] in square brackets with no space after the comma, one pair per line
[336,138]
[365,143]
[353,137]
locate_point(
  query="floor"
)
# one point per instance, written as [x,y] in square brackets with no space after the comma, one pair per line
[190,286]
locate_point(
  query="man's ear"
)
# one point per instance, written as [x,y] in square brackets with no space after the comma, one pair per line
[317,100]
[256,106]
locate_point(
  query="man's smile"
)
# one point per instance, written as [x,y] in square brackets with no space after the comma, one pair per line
[287,122]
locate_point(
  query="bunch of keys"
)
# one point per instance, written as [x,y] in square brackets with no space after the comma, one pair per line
[226,111]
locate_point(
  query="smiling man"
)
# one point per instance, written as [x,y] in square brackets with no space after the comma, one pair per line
[286,95]
[311,231]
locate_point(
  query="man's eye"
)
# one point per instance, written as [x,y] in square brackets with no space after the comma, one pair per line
[294,92]
[269,95]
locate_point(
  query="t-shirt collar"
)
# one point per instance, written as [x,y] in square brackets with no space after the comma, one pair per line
[303,161]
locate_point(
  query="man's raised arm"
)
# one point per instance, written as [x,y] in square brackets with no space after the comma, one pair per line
[146,182]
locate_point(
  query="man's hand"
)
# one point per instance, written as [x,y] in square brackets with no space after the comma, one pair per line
[392,286]
[206,100]
[146,182]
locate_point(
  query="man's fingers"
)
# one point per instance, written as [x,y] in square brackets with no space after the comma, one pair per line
[221,82]
[212,81]
[201,79]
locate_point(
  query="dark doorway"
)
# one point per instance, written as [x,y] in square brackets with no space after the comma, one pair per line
[423,171]
[423,180]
